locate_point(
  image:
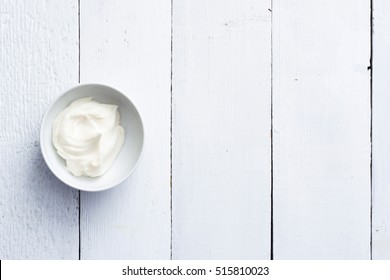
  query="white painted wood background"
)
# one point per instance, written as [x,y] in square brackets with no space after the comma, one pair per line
[266,128]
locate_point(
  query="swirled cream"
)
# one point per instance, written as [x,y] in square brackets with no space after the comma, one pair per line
[88,136]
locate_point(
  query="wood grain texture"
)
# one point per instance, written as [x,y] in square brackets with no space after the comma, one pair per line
[221,129]
[38,60]
[127,44]
[380,133]
[321,122]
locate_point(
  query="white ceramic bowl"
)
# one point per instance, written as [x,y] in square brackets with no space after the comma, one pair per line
[129,155]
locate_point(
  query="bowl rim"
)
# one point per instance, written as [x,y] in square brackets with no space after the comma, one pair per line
[114,182]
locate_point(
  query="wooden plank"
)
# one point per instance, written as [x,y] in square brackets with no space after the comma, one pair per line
[380,134]
[321,95]
[127,44]
[39,60]
[221,129]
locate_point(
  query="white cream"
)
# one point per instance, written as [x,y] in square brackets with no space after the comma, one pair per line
[88,136]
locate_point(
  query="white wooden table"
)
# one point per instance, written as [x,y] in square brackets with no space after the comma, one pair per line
[267,128]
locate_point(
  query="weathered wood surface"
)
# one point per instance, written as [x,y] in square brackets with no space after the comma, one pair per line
[127,44]
[321,122]
[207,77]
[221,153]
[38,60]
